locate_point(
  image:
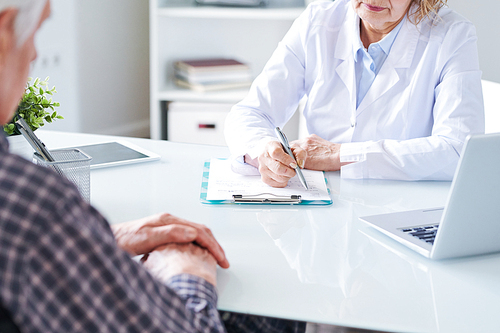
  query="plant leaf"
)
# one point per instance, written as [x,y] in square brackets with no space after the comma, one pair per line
[34,106]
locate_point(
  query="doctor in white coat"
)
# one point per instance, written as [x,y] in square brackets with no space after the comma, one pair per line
[393,88]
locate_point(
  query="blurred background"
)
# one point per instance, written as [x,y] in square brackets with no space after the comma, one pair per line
[96,53]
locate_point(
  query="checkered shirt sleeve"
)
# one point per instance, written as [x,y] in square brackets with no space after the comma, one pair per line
[61,270]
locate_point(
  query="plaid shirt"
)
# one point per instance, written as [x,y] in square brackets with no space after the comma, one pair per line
[61,270]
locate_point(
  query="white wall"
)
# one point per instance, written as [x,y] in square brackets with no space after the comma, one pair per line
[114,65]
[96,53]
[57,58]
[485,16]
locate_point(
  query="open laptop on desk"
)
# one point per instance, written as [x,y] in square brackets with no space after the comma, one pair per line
[469,224]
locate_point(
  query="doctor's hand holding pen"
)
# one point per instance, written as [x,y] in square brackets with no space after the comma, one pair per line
[314,153]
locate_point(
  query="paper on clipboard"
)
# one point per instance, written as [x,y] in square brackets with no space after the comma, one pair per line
[223,183]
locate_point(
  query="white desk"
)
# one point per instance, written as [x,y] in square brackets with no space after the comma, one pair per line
[318,264]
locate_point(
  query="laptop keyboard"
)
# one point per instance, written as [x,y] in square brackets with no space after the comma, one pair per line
[427,233]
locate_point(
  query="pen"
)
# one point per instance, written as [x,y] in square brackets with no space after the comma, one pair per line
[33,140]
[286,146]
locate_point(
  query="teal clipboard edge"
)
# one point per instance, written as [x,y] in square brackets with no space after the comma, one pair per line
[204,189]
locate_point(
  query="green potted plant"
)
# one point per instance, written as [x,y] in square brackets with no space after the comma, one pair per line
[37,109]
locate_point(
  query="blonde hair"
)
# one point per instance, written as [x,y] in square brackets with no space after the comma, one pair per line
[28,16]
[425,9]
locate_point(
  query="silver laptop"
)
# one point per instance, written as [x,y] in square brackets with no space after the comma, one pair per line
[469,224]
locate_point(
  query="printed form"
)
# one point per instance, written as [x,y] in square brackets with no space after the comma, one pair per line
[223,183]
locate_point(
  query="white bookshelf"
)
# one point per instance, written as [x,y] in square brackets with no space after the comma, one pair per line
[181,30]
[176,94]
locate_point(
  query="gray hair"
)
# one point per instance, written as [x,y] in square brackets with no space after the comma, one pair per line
[28,16]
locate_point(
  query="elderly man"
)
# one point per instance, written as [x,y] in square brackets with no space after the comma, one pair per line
[61,268]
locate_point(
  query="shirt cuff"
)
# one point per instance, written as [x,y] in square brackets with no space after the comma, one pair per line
[239,166]
[199,293]
[354,153]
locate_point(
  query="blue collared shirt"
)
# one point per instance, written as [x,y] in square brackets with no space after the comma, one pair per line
[368,62]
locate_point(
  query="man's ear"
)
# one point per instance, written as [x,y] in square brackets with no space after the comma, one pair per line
[7,36]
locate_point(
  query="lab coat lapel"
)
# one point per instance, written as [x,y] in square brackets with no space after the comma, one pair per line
[343,51]
[399,59]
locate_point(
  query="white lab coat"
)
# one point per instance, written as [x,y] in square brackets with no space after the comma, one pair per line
[413,121]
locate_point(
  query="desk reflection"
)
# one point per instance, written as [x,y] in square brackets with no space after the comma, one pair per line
[326,248]
[362,270]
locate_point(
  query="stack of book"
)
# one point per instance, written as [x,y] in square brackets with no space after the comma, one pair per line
[212,74]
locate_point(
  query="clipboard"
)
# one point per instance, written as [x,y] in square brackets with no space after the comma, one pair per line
[266,196]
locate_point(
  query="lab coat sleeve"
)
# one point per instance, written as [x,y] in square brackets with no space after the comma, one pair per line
[273,97]
[458,111]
